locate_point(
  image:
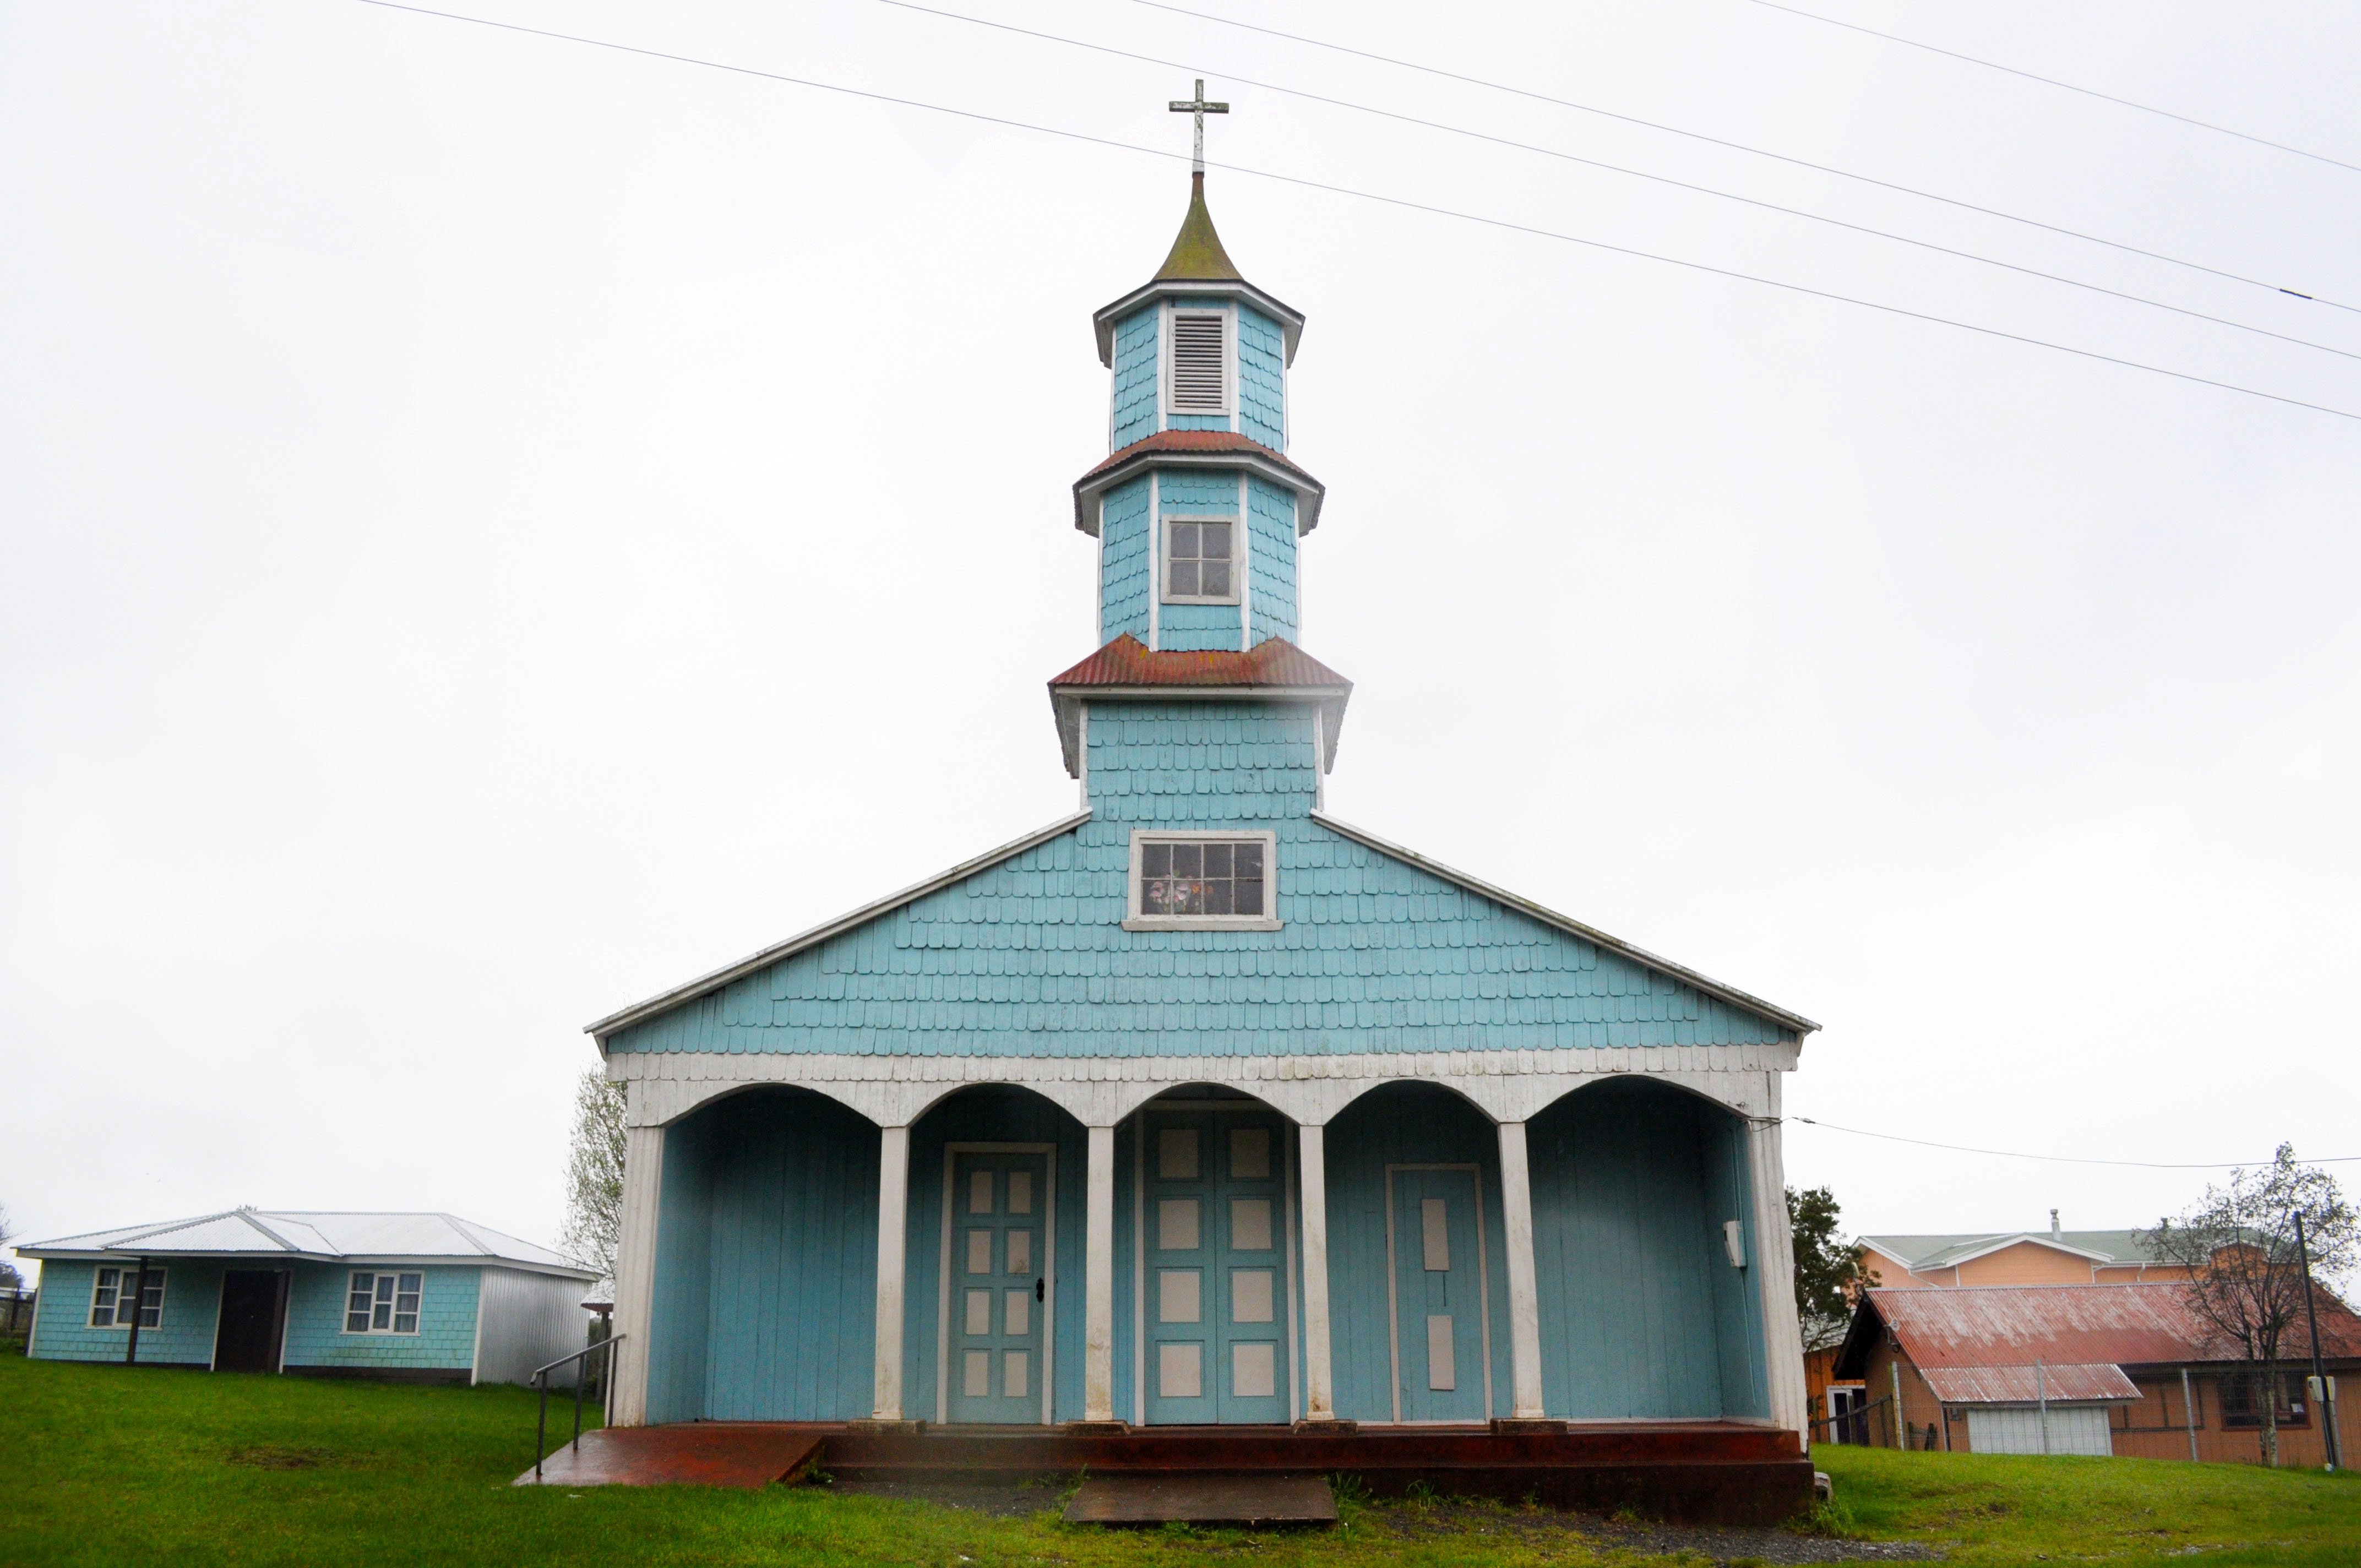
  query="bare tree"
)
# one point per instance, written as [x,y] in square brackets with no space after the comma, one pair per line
[593,1173]
[2246,1283]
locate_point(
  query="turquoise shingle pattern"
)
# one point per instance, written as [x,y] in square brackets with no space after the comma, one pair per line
[1270,560]
[1122,562]
[1029,959]
[1197,421]
[1196,492]
[1195,627]
[1262,397]
[184,1337]
[446,1339]
[1135,379]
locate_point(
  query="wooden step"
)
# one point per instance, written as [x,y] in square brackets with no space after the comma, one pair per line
[1203,1500]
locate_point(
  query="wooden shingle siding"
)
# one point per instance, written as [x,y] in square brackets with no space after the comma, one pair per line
[1029,959]
[1270,565]
[184,1338]
[1262,384]
[1134,378]
[1198,492]
[446,1340]
[1123,565]
[766,1272]
[1641,1314]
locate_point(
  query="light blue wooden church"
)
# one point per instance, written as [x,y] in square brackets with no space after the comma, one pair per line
[1200,1106]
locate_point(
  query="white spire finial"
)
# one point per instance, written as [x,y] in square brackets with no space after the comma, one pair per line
[1200,108]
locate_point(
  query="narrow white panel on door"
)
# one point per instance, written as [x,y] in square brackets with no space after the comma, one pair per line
[1434,1235]
[1442,1376]
[1250,1224]
[979,1312]
[1179,1373]
[1250,1296]
[1020,1191]
[1250,1153]
[1177,1295]
[979,1252]
[979,1192]
[1020,1313]
[1015,1374]
[1020,1251]
[1176,1154]
[1176,1225]
[975,1377]
[1254,1371]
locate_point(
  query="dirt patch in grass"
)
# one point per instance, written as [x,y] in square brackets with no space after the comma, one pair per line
[273,1456]
[1546,1527]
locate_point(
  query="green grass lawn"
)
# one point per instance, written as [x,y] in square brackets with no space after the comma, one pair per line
[107,1465]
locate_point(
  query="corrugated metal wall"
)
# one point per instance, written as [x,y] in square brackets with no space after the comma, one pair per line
[529,1321]
[766,1277]
[1641,1314]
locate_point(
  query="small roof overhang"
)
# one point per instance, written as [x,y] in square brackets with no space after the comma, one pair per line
[1290,318]
[1274,670]
[1198,449]
[2089,1383]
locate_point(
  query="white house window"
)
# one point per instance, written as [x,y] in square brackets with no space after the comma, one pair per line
[111,1293]
[1183,881]
[1198,565]
[383,1303]
[1200,364]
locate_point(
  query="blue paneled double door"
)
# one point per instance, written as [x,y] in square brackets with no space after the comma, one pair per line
[1215,1293]
[999,1286]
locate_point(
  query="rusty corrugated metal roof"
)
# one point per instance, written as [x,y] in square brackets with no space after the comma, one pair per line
[2016,1326]
[1275,662]
[1198,441]
[2068,1383]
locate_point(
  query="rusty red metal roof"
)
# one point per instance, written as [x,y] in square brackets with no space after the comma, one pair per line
[1276,661]
[1997,1327]
[1196,441]
[2068,1383]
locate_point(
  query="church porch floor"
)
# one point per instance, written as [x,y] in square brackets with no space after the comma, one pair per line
[1701,1472]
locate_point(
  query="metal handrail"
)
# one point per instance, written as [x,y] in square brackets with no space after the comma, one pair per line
[540,1381]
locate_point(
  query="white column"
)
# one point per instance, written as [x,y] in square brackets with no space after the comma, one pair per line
[1098,1279]
[1524,1287]
[893,1257]
[1312,1167]
[1774,1267]
[635,1271]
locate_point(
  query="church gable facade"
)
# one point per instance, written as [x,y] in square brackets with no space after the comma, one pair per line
[1200,1106]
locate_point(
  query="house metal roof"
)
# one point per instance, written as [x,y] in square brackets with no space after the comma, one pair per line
[1991,1328]
[1920,1253]
[316,1236]
[1273,668]
[2096,1383]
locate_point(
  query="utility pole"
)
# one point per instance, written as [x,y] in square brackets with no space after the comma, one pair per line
[2326,1400]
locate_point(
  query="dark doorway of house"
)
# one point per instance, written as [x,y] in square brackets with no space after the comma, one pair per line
[248,1338]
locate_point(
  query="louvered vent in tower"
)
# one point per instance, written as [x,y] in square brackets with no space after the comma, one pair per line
[1197,379]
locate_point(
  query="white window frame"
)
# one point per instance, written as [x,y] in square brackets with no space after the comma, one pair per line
[1267,921]
[1237,558]
[390,1297]
[1168,339]
[126,1277]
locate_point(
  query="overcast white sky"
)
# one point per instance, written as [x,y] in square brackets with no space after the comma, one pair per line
[494,527]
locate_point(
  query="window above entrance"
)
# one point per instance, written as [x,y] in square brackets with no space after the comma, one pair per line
[1202,881]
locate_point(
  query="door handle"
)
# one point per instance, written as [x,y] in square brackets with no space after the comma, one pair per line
[1040,1289]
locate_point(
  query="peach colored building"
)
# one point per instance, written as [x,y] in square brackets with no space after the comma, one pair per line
[2126,1370]
[2053,1257]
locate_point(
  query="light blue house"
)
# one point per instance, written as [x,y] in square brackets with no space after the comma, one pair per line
[1199,1105]
[400,1297]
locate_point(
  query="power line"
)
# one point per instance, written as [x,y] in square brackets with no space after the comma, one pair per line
[1616,168]
[1966,206]
[1404,202]
[2053,81]
[2066,1159]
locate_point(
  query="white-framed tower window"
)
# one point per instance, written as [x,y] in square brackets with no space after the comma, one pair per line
[1197,379]
[383,1303]
[1200,564]
[1213,880]
[111,1292]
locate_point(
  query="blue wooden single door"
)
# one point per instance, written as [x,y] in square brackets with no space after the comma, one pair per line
[1000,1267]
[1216,1289]
[1440,1356]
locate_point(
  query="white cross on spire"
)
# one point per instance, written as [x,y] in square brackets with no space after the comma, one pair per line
[1199,107]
